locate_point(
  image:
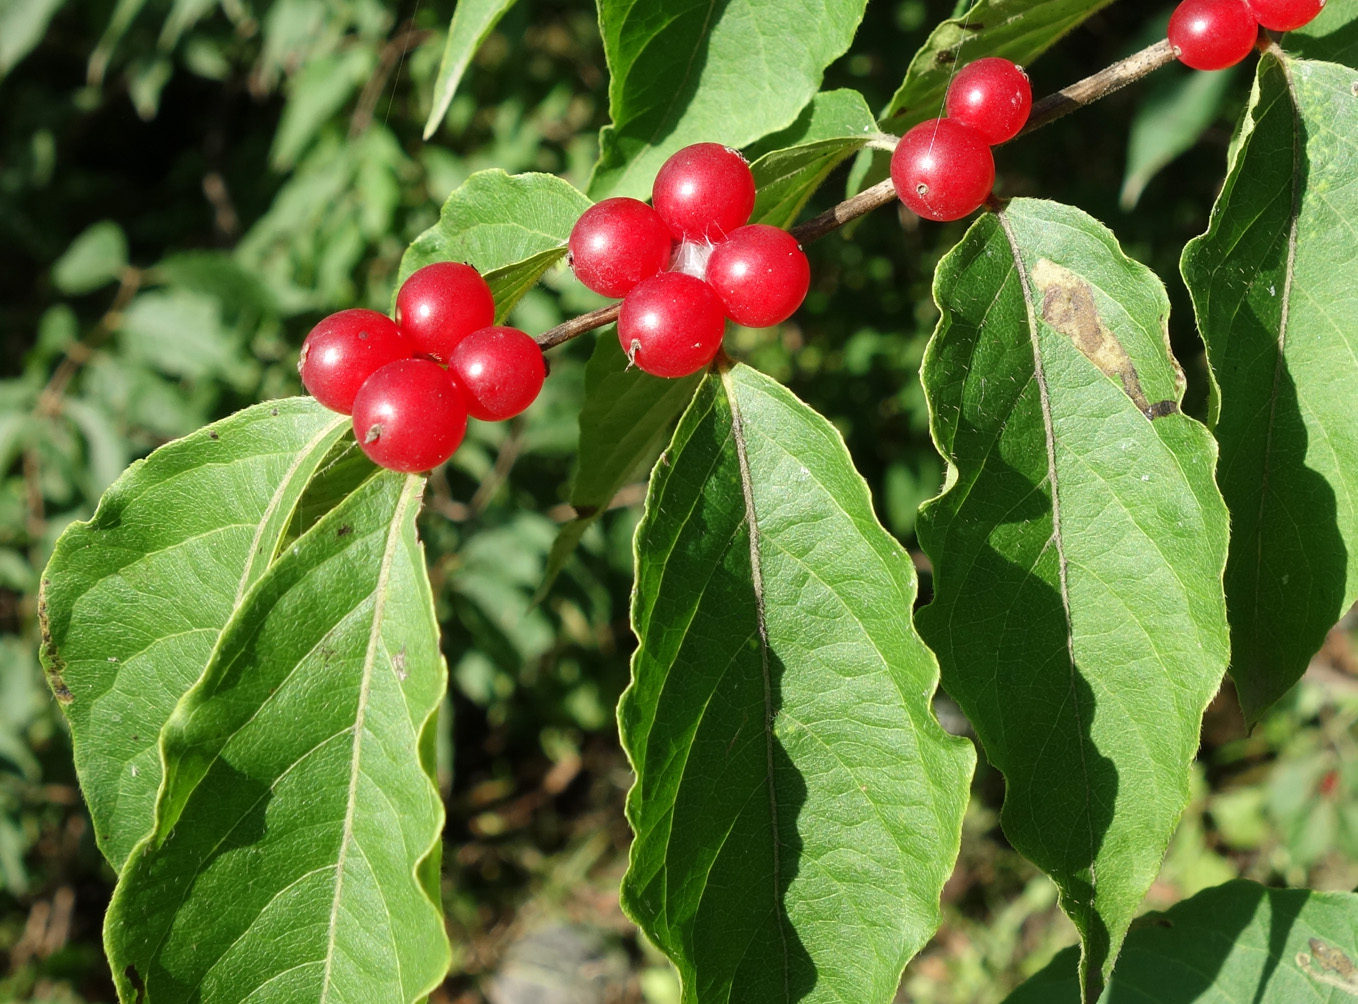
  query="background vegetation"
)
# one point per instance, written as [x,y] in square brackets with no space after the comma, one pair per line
[186,186]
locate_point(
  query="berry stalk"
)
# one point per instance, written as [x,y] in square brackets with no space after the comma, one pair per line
[1049,109]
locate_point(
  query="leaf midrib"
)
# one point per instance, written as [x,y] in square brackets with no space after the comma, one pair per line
[1286,305]
[1040,375]
[757,582]
[380,594]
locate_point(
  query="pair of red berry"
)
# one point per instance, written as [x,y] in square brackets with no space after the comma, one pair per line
[409,412]
[690,260]
[1215,34]
[943,169]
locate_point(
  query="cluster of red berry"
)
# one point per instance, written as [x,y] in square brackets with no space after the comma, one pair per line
[1215,34]
[688,261]
[411,383]
[943,168]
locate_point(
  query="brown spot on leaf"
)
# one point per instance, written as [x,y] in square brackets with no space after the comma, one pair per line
[213,435]
[52,662]
[344,530]
[1334,960]
[945,56]
[1068,306]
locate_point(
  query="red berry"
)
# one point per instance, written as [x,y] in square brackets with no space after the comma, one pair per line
[942,169]
[1285,15]
[442,304]
[617,243]
[1212,34]
[704,192]
[761,275]
[344,350]
[993,96]
[410,416]
[500,371]
[671,324]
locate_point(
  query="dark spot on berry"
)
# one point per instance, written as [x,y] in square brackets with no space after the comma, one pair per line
[363,335]
[213,435]
[344,530]
[374,433]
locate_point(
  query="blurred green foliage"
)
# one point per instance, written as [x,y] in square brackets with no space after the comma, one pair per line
[186,186]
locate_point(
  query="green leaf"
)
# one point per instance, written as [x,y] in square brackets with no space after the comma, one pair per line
[690,71]
[1332,36]
[473,20]
[295,854]
[1235,944]
[316,93]
[1077,548]
[625,421]
[124,13]
[790,165]
[1019,30]
[95,258]
[134,600]
[797,807]
[1169,122]
[1282,342]
[22,25]
[512,228]
[182,333]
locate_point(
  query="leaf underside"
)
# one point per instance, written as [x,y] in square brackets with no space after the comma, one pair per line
[472,21]
[797,807]
[625,420]
[510,227]
[1077,549]
[694,71]
[295,852]
[1238,943]
[790,165]
[1282,342]
[135,599]
[1018,30]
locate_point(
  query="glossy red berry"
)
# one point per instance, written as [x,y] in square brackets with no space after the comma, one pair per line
[500,371]
[617,243]
[440,305]
[344,350]
[409,416]
[761,275]
[1285,15]
[993,96]
[1212,34]
[704,192]
[943,169]
[671,324]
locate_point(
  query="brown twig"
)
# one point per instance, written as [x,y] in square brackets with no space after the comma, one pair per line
[49,400]
[1048,110]
[1100,85]
[394,51]
[504,463]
